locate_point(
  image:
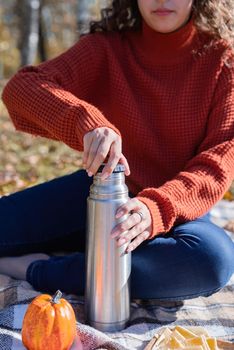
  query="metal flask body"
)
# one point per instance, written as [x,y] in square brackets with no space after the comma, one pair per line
[108,267]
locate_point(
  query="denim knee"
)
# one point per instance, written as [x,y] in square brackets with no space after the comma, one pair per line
[214,256]
[66,273]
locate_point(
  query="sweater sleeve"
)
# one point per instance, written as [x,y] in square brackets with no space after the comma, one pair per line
[53,99]
[206,177]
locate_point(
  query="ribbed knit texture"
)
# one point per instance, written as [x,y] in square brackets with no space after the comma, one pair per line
[173,108]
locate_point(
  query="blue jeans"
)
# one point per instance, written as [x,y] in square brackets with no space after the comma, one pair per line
[193,259]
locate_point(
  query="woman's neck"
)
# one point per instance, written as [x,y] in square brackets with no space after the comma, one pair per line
[166,47]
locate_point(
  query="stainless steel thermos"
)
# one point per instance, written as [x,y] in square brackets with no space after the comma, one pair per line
[108,267]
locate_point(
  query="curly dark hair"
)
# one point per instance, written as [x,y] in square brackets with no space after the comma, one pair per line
[213,16]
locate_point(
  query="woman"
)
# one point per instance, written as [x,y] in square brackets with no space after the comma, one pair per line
[153,80]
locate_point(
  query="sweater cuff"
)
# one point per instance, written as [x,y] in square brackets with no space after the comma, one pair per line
[156,217]
[91,118]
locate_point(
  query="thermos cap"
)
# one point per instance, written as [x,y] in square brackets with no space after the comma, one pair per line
[120,168]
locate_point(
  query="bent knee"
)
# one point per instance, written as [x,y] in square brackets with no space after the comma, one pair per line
[212,250]
[217,274]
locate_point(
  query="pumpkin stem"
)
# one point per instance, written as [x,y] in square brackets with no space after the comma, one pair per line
[56,298]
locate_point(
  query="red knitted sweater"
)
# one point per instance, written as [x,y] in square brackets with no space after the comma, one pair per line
[171,101]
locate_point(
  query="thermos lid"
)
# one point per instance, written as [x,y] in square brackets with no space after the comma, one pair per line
[118,169]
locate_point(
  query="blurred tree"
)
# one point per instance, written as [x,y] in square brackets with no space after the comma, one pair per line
[83,13]
[29,18]
[42,35]
[32,31]
[9,54]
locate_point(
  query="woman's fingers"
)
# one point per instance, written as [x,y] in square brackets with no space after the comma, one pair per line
[138,240]
[92,155]
[133,221]
[108,169]
[133,204]
[115,153]
[135,228]
[92,142]
[97,154]
[123,160]
[130,234]
[97,144]
[88,138]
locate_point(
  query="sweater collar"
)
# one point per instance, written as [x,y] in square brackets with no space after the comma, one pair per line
[166,47]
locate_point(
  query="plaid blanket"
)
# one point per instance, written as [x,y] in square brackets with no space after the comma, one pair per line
[215,313]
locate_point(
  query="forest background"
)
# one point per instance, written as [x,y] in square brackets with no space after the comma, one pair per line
[32,31]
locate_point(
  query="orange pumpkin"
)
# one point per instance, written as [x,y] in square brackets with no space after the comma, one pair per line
[49,323]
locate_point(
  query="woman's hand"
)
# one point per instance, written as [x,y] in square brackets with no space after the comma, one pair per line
[138,228]
[97,144]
